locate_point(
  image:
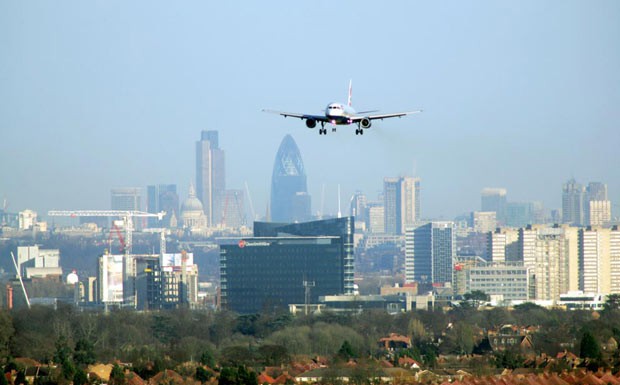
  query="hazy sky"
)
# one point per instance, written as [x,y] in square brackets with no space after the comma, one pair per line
[101,94]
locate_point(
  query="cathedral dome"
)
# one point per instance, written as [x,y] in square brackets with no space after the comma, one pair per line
[192,203]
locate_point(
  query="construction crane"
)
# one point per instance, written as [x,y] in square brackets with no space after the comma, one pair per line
[125,215]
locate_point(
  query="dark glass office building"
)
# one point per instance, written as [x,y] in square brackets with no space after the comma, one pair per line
[287,264]
[290,201]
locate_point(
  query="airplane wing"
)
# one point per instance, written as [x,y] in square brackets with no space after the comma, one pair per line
[318,118]
[385,116]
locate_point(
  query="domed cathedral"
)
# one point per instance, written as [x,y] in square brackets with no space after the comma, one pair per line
[192,215]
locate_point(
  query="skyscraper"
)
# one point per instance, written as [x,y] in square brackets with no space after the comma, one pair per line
[401,202]
[572,203]
[290,201]
[210,176]
[159,198]
[430,250]
[494,199]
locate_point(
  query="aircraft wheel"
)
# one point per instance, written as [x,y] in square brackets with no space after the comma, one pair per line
[361,132]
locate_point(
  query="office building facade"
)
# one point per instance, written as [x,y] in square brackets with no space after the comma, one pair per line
[160,198]
[430,251]
[572,203]
[494,199]
[401,202]
[287,264]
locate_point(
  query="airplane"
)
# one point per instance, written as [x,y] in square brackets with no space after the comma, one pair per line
[342,114]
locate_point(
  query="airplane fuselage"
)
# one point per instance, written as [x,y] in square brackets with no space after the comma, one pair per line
[338,113]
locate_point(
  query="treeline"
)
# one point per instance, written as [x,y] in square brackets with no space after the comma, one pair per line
[153,341]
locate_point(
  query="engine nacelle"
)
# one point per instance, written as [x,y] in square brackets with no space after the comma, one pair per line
[310,123]
[365,123]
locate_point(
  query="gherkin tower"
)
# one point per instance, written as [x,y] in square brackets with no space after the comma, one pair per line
[290,201]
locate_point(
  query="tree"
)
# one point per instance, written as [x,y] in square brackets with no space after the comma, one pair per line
[84,353]
[346,351]
[206,358]
[203,375]
[476,296]
[612,302]
[80,377]
[117,376]
[589,346]
[20,379]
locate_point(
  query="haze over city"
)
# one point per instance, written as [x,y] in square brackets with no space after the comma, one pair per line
[97,95]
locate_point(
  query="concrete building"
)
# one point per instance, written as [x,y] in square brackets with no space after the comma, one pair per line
[376,218]
[34,262]
[210,176]
[599,213]
[430,253]
[504,245]
[594,260]
[510,281]
[484,221]
[494,199]
[27,219]
[401,202]
[572,203]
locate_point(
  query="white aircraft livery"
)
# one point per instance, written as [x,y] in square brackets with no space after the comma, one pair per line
[342,114]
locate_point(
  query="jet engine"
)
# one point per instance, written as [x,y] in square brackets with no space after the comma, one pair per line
[310,123]
[365,123]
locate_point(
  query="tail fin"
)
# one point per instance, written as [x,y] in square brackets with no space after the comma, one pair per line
[350,85]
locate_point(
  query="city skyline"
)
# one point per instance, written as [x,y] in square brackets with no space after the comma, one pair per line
[519,96]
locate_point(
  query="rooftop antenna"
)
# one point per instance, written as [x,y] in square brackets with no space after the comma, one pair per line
[339,213]
[21,281]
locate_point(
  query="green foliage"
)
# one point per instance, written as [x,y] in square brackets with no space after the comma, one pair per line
[84,353]
[206,358]
[346,351]
[508,359]
[80,377]
[203,375]
[3,380]
[117,376]
[612,302]
[237,376]
[589,347]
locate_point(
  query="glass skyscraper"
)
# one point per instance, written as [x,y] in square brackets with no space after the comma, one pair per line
[290,201]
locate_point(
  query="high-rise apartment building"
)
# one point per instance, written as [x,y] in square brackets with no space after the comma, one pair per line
[494,199]
[290,201]
[210,176]
[484,221]
[401,197]
[597,205]
[376,217]
[572,203]
[430,251]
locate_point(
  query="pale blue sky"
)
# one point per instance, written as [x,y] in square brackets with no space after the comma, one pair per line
[103,94]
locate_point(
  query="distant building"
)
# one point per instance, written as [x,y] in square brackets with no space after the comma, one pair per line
[358,208]
[430,253]
[210,176]
[34,262]
[193,217]
[572,203]
[401,202]
[162,197]
[494,199]
[599,213]
[484,221]
[234,210]
[128,199]
[509,281]
[287,264]
[27,219]
[290,201]
[376,218]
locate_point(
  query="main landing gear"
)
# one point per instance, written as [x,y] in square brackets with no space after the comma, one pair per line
[322,131]
[359,131]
